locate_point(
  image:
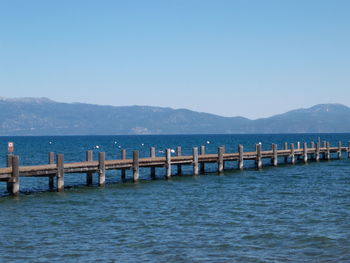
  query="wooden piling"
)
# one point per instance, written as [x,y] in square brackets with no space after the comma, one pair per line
[240,157]
[339,150]
[317,156]
[286,148]
[292,153]
[135,166]
[221,151]
[153,169]
[312,146]
[195,160]
[168,164]
[178,153]
[258,160]
[123,171]
[324,144]
[305,152]
[274,159]
[328,153]
[9,164]
[202,165]
[13,181]
[89,175]
[101,168]
[60,172]
[9,160]
[298,157]
[51,177]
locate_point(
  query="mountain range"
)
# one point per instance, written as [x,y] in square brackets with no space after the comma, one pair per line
[42,116]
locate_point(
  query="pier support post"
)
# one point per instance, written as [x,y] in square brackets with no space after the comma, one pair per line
[135,166]
[298,156]
[305,152]
[324,144]
[89,175]
[274,159]
[9,159]
[195,161]
[325,152]
[339,150]
[286,148]
[240,157]
[221,151]
[179,167]
[101,168]
[317,156]
[292,153]
[348,150]
[202,164]
[51,177]
[13,182]
[123,171]
[312,146]
[328,153]
[168,164]
[153,169]
[60,172]
[9,164]
[258,160]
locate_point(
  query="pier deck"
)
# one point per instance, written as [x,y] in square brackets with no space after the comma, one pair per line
[14,171]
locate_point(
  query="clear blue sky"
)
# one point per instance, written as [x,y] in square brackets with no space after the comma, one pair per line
[248,58]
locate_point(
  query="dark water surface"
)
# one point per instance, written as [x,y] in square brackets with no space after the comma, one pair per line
[290,213]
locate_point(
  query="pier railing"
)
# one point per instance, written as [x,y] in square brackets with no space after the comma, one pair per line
[55,171]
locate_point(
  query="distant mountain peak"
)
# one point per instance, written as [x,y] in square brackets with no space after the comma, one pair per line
[328,107]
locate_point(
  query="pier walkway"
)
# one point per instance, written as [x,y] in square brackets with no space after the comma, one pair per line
[55,170]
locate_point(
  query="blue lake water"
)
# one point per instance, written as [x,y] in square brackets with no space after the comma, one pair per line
[290,213]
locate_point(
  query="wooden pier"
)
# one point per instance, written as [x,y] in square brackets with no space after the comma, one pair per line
[56,170]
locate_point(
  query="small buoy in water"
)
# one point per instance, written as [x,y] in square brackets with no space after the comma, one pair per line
[142,144]
[160,151]
[50,142]
[172,151]
[97,147]
[208,142]
[260,143]
[115,142]
[119,146]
